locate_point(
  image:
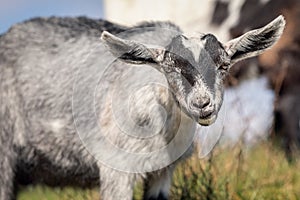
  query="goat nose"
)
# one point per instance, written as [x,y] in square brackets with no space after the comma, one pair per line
[201,102]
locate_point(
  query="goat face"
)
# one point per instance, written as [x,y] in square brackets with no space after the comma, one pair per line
[196,67]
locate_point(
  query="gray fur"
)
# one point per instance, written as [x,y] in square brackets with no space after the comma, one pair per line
[39,60]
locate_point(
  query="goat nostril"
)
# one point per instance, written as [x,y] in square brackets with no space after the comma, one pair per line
[201,103]
[205,104]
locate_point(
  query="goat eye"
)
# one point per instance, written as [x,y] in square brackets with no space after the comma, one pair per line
[223,67]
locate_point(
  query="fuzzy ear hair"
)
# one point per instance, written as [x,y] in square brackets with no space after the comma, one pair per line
[256,41]
[130,51]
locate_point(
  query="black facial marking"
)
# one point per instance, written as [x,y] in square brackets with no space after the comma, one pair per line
[213,47]
[208,69]
[186,69]
[205,68]
[177,47]
[183,59]
[215,50]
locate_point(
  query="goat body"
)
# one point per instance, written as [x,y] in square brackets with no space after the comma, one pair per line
[56,76]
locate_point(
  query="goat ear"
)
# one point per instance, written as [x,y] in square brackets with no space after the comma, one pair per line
[256,41]
[130,51]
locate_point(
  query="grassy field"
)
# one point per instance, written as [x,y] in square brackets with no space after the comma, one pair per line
[261,172]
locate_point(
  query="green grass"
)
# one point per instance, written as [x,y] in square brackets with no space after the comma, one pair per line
[261,172]
[46,193]
[258,173]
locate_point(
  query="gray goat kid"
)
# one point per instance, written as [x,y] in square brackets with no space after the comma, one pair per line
[38,63]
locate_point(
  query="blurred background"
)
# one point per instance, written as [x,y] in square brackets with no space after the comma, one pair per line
[259,151]
[13,11]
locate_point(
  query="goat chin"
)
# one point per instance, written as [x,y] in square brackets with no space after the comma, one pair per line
[207,121]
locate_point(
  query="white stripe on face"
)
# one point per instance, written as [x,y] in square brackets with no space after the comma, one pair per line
[195,45]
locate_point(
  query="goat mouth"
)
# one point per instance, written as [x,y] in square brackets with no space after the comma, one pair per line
[207,120]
